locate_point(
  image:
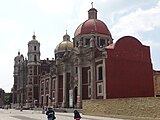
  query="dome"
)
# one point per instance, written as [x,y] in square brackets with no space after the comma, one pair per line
[92,26]
[63,46]
[66,44]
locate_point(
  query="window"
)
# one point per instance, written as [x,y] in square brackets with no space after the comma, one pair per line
[35,48]
[99,89]
[30,72]
[29,94]
[87,42]
[99,72]
[53,94]
[30,81]
[47,84]
[76,70]
[101,42]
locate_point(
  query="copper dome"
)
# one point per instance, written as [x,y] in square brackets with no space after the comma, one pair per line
[92,26]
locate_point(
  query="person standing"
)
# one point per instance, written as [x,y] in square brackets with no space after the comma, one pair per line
[77,116]
[50,114]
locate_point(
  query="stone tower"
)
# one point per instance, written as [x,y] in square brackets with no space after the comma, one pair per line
[33,76]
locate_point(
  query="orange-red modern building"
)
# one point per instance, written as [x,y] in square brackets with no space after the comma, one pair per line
[129,70]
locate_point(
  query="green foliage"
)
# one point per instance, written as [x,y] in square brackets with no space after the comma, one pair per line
[7,98]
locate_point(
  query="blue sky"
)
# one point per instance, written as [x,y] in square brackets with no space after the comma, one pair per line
[50,19]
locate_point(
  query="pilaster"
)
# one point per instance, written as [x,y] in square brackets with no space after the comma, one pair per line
[56,90]
[79,95]
[104,55]
[64,104]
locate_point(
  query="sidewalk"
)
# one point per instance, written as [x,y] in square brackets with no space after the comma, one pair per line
[12,114]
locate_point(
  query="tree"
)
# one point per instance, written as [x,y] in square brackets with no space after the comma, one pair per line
[8,98]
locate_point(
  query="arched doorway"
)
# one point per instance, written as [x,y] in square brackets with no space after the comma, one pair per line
[75,97]
[47,101]
[42,101]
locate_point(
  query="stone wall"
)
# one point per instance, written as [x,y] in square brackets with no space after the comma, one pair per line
[125,107]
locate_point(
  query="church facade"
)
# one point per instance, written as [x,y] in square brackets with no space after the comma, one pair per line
[90,67]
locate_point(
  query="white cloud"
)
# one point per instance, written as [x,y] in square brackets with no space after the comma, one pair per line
[137,22]
[55,7]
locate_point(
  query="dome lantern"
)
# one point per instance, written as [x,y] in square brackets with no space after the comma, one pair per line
[66,37]
[92,13]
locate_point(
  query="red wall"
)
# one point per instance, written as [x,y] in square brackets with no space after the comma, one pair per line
[129,70]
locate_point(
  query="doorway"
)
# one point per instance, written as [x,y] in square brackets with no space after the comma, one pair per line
[75,97]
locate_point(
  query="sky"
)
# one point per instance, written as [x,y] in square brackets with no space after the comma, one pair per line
[50,19]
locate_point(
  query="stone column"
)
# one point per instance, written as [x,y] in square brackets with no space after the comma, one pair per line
[93,86]
[92,67]
[50,91]
[104,55]
[64,104]
[40,93]
[79,95]
[56,90]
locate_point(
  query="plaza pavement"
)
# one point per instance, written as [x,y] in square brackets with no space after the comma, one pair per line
[12,114]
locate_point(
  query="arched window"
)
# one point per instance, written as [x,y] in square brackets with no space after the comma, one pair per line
[35,48]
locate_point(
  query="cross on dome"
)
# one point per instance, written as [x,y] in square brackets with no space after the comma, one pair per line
[34,36]
[66,31]
[92,4]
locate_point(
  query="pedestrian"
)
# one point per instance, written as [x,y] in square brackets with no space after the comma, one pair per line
[50,114]
[43,110]
[77,115]
[21,108]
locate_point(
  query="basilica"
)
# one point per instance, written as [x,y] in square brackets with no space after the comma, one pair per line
[91,66]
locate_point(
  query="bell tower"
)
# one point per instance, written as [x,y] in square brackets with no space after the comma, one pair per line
[33,76]
[34,51]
